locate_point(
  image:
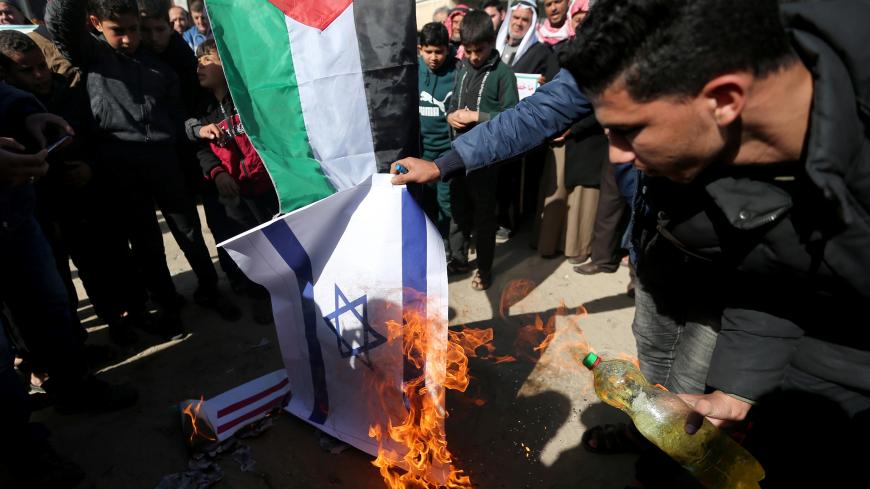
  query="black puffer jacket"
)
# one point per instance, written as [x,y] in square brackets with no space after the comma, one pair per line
[784,251]
[134,99]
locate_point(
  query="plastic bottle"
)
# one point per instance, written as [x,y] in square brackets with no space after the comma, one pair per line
[712,456]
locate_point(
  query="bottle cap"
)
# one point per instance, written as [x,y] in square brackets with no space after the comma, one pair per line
[591,361]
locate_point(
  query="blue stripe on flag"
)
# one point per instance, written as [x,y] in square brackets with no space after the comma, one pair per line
[294,254]
[413,267]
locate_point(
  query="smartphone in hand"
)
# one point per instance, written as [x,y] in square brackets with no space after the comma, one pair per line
[57,144]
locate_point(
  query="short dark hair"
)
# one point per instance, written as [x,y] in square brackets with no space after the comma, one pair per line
[209,46]
[675,47]
[155,9]
[494,3]
[434,34]
[197,6]
[476,28]
[112,9]
[13,42]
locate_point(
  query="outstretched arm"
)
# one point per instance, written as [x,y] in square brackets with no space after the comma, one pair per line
[549,111]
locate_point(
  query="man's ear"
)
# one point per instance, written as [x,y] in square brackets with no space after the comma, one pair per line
[726,95]
[95,23]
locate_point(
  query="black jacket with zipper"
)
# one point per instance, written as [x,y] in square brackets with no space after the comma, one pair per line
[488,89]
[134,99]
[783,251]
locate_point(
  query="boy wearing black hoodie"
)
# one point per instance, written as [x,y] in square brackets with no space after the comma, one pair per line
[484,87]
[138,115]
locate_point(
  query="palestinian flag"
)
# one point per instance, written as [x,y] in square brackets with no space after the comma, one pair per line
[326,89]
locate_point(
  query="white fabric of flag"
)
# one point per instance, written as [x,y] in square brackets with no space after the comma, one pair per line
[337,271]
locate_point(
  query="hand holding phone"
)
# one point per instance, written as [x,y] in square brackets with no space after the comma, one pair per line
[57,144]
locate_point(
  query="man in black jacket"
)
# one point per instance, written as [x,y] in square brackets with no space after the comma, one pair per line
[754,213]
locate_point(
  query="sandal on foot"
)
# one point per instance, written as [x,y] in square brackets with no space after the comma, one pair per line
[612,439]
[478,283]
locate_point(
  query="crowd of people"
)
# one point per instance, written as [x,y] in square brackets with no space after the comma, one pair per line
[719,149]
[564,189]
[131,102]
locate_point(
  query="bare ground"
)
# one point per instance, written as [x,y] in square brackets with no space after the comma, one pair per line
[526,433]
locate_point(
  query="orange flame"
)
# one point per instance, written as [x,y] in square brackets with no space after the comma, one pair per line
[533,339]
[514,292]
[193,414]
[427,463]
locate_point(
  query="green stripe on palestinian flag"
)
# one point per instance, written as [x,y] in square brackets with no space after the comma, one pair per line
[326,89]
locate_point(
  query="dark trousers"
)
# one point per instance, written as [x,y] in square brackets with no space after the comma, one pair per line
[251,211]
[610,221]
[32,289]
[508,193]
[222,228]
[246,213]
[79,224]
[435,200]
[59,248]
[14,410]
[473,203]
[137,185]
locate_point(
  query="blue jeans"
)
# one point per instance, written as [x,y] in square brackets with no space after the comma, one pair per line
[673,351]
[32,289]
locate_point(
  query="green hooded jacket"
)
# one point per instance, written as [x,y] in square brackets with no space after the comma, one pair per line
[489,89]
[436,88]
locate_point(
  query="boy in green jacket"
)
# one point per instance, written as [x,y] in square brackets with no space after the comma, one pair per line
[484,87]
[437,70]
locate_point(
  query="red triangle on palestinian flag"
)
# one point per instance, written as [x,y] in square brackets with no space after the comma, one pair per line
[313,13]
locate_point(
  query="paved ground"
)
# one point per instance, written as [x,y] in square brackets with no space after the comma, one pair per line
[526,433]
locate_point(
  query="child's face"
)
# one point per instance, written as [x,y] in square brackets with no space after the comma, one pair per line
[29,72]
[210,71]
[156,34]
[433,56]
[121,33]
[478,53]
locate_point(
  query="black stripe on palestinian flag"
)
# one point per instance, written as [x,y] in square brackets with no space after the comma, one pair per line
[386,31]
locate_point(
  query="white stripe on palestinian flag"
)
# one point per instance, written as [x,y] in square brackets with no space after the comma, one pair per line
[333,98]
[326,89]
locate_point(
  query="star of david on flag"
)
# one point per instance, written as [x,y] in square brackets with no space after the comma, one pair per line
[338,290]
[370,337]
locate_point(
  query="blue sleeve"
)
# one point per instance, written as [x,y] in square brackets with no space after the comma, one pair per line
[550,111]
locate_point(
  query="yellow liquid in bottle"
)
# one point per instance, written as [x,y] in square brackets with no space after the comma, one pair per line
[712,456]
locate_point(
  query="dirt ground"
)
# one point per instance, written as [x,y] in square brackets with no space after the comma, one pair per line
[525,435]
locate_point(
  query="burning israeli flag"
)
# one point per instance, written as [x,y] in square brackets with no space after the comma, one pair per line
[339,272]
